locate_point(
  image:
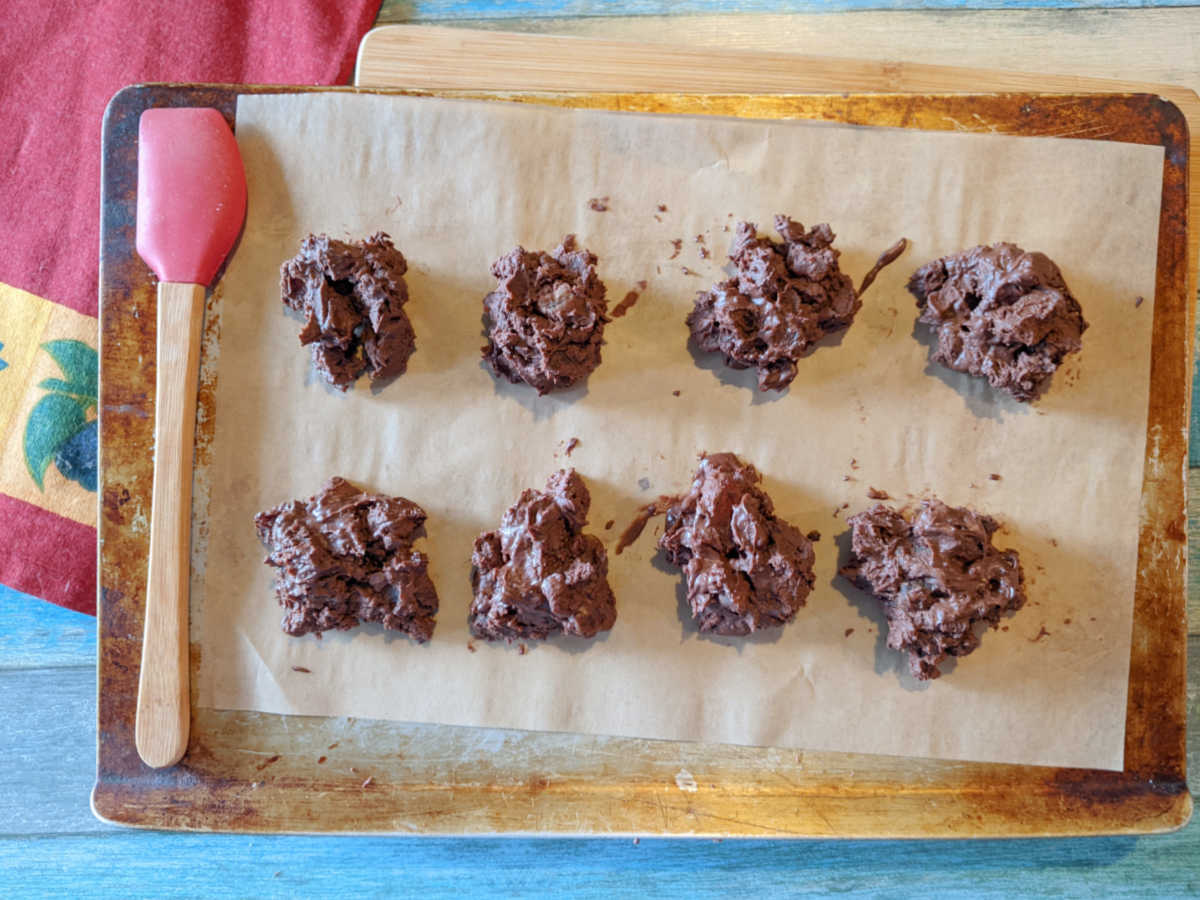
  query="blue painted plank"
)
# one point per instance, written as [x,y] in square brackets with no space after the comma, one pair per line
[441,10]
[36,633]
[48,741]
[217,866]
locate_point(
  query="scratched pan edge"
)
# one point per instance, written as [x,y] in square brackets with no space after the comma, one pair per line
[256,772]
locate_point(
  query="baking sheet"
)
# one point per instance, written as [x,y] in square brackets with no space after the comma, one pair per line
[1046,691]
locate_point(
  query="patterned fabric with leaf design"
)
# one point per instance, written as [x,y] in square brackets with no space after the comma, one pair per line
[62,426]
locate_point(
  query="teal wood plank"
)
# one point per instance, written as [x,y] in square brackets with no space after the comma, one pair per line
[36,633]
[141,864]
[442,10]
[48,743]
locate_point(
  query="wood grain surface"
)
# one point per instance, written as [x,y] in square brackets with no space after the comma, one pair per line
[161,731]
[254,772]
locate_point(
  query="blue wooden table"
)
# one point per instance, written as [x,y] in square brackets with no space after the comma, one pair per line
[50,843]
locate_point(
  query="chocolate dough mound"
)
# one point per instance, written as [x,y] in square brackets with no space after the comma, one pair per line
[746,570]
[539,574]
[785,298]
[935,577]
[352,296]
[1000,312]
[545,320]
[345,557]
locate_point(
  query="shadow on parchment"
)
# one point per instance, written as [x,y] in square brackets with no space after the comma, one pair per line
[983,400]
[688,629]
[747,379]
[569,643]
[887,660]
[543,406]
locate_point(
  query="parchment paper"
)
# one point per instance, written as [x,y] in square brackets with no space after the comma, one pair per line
[459,183]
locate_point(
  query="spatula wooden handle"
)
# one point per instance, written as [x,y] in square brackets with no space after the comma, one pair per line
[163,711]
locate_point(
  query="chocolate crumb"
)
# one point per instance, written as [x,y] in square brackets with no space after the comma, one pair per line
[352,297]
[746,570]
[814,535]
[876,494]
[674,393]
[837,510]
[598,204]
[849,631]
[853,463]
[704,254]
[368,781]
[1000,313]
[345,556]
[302,669]
[657,218]
[1066,621]
[677,243]
[321,759]
[1004,628]
[270,760]
[609,524]
[1139,301]
[1042,632]
[539,574]
[353,770]
[470,646]
[662,207]
[545,319]
[626,303]
[686,271]
[936,574]
[784,297]
[522,649]
[1053,542]
[994,477]
[334,744]
[845,506]
[572,444]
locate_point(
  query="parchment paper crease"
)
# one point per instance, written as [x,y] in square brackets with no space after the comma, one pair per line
[459,183]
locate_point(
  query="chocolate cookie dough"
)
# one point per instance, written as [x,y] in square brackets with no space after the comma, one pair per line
[344,557]
[785,298]
[745,569]
[935,576]
[999,312]
[545,320]
[352,296]
[539,574]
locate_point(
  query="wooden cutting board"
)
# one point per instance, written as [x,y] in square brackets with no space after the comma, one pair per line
[249,771]
[417,57]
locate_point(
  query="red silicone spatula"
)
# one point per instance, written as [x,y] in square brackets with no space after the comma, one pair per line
[191,202]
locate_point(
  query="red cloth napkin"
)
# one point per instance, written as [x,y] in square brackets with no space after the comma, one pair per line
[61,62]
